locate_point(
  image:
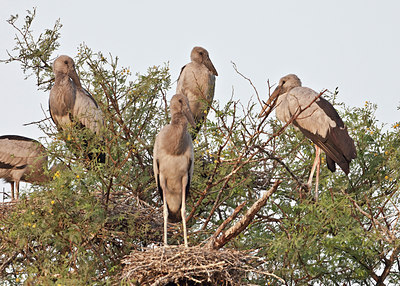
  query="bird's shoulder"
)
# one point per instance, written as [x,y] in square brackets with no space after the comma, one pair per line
[86,97]
[16,150]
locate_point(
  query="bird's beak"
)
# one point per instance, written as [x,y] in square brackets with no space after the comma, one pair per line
[210,66]
[269,105]
[189,115]
[74,76]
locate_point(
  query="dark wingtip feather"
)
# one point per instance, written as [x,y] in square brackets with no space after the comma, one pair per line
[174,217]
[330,163]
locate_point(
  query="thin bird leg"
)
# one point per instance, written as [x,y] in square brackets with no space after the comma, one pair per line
[165,213]
[183,213]
[317,155]
[313,169]
[17,190]
[12,191]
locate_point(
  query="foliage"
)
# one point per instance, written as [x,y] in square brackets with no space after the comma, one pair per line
[76,229]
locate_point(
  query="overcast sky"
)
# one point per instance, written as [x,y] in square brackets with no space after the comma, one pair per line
[353,45]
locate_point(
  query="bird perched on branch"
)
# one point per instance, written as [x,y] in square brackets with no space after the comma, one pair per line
[23,159]
[173,163]
[71,104]
[197,82]
[317,119]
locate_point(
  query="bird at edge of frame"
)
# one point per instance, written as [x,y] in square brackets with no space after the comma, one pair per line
[173,161]
[319,122]
[72,105]
[24,159]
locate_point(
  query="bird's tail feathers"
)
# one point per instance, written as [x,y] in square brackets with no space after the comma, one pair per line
[174,216]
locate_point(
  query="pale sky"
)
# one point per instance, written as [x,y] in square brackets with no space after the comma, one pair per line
[353,45]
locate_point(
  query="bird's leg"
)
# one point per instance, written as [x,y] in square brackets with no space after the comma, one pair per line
[313,168]
[12,191]
[317,155]
[183,215]
[17,190]
[165,213]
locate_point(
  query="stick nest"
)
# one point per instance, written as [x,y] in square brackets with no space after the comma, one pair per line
[177,265]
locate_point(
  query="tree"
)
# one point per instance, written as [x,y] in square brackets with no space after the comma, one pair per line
[76,229]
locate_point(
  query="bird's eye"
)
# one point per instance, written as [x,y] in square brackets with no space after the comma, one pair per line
[201,53]
[283,82]
[66,62]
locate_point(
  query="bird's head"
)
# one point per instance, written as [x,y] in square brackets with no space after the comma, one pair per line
[180,104]
[286,83]
[200,55]
[65,65]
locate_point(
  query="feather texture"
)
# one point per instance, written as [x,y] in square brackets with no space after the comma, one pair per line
[320,122]
[197,82]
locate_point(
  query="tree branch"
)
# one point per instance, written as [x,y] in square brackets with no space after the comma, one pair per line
[242,224]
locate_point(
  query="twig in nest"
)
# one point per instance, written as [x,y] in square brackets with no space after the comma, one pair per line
[185,266]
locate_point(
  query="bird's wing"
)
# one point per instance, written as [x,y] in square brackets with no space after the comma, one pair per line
[181,72]
[87,111]
[17,151]
[338,134]
[156,166]
[211,89]
[322,124]
[191,162]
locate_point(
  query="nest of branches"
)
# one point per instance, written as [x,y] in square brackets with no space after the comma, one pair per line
[144,221]
[6,207]
[178,265]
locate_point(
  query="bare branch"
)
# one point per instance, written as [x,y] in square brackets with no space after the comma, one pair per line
[241,225]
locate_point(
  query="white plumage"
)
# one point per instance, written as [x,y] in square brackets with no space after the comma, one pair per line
[173,161]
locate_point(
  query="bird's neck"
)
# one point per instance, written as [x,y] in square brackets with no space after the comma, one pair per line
[179,124]
[62,79]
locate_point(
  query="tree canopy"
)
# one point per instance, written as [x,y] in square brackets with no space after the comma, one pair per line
[76,229]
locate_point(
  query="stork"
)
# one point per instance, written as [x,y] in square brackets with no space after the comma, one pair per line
[22,159]
[197,82]
[173,163]
[320,122]
[70,103]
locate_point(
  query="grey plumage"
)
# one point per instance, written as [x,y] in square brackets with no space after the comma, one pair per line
[70,103]
[173,161]
[320,122]
[197,82]
[22,159]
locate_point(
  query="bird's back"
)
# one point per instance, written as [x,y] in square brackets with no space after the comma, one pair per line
[87,111]
[197,83]
[320,122]
[22,157]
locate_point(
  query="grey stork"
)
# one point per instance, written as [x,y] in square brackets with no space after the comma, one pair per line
[197,82]
[320,122]
[22,159]
[173,160]
[70,103]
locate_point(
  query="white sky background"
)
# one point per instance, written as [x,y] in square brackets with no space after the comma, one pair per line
[353,45]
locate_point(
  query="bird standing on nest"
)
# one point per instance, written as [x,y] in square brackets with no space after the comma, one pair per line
[173,163]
